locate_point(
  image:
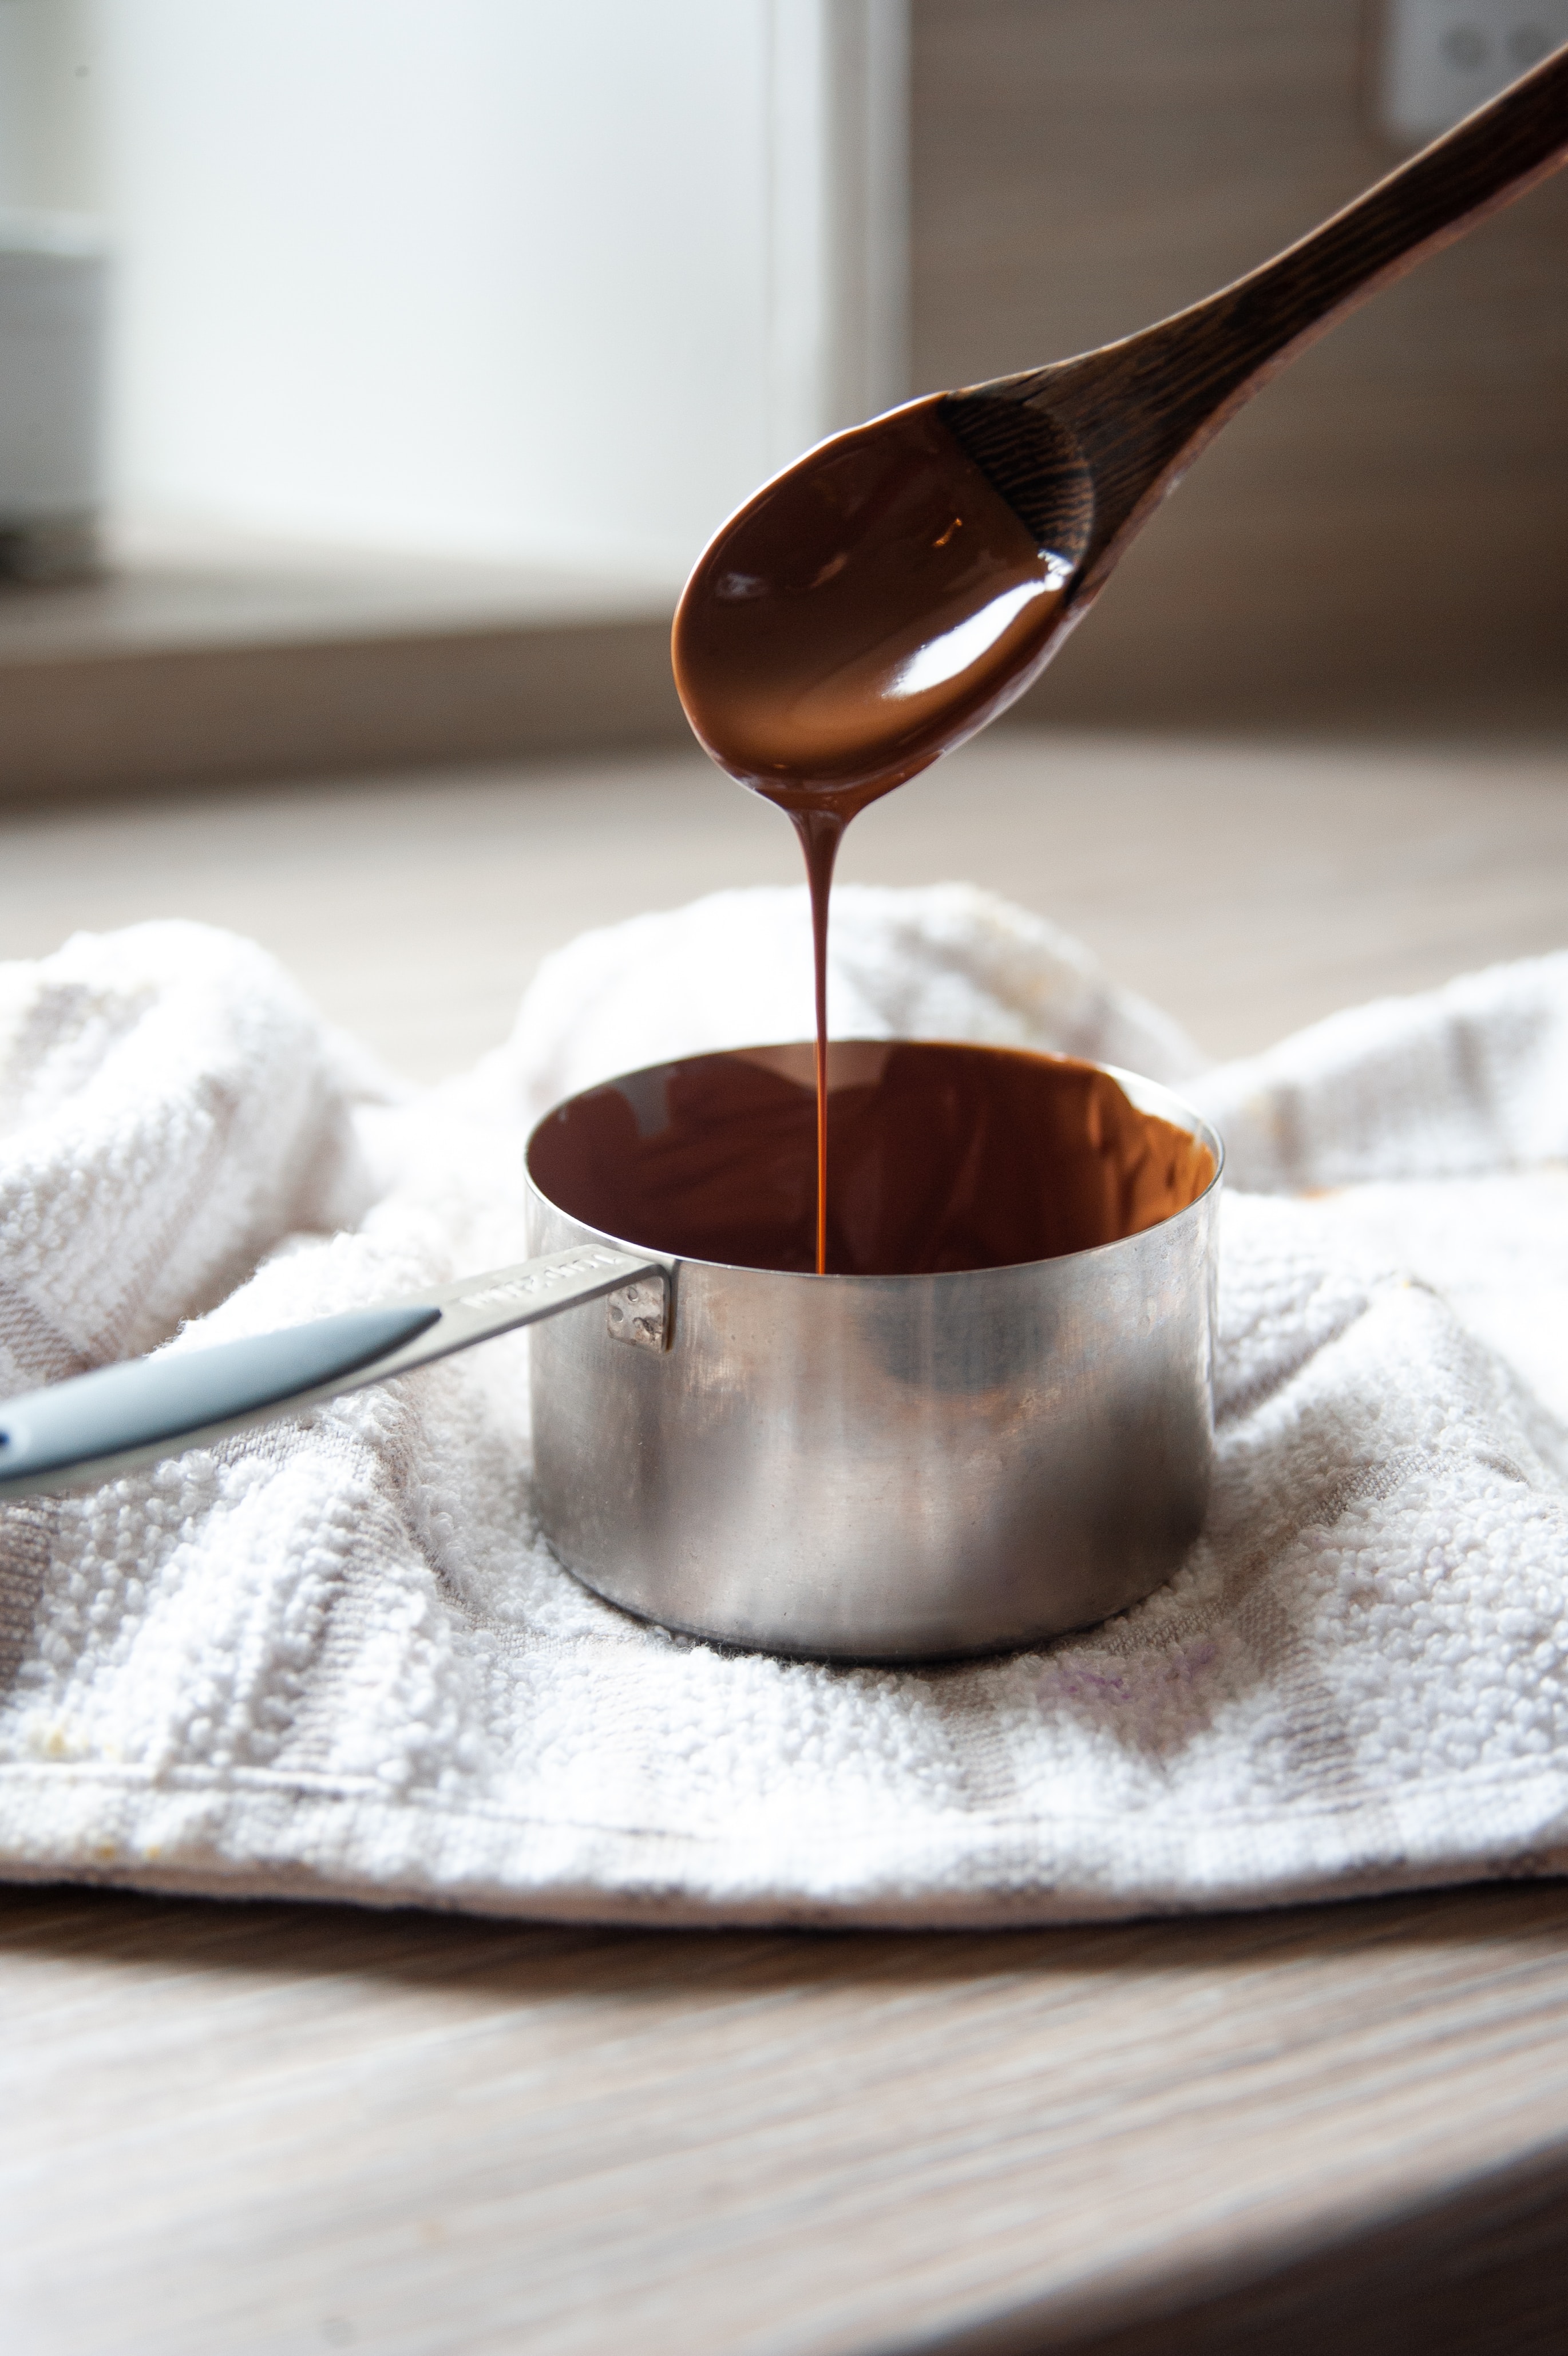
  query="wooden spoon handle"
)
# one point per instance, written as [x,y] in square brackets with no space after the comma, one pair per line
[1142,410]
[1253,328]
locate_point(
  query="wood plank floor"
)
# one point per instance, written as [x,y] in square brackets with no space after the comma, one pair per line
[273,2129]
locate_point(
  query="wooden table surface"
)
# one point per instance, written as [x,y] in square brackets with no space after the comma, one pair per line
[287,2128]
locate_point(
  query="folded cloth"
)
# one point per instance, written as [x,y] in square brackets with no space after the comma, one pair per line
[333,1657]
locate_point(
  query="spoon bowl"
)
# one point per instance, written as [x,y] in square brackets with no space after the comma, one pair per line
[875,605]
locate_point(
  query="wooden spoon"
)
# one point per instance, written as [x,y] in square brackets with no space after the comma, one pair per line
[888,594]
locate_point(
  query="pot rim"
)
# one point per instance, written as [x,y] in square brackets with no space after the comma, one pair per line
[1134,1084]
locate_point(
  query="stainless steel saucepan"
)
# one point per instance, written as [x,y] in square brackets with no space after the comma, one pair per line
[876,1467]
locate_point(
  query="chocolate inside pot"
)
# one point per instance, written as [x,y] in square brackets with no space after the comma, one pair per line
[944,1157]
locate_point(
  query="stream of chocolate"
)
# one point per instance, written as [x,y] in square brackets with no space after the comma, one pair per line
[858,617]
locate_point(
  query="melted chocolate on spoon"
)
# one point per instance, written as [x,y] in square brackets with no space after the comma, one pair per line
[858,618]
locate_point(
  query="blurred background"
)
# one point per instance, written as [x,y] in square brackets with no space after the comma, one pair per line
[372,370]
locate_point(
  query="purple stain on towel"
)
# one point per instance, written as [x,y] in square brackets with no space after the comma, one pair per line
[1144,1686]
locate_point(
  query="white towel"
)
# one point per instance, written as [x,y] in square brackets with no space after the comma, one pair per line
[332,1658]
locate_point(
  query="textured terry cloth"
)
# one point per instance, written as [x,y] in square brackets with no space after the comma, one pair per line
[333,1657]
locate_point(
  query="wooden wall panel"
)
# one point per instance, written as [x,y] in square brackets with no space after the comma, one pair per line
[1384,533]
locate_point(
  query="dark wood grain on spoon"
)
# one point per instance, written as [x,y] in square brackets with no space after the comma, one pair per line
[884,598]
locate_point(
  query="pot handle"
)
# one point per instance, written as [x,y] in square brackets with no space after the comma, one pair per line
[76,1433]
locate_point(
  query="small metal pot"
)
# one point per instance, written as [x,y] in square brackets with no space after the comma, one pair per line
[867,1467]
[881,1467]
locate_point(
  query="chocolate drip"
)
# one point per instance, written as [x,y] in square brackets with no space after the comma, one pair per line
[846,627]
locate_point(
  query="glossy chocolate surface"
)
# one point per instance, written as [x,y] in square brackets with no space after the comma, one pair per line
[944,1157]
[859,616]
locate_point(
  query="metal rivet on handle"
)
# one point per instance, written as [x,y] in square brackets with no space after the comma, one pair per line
[638,1315]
